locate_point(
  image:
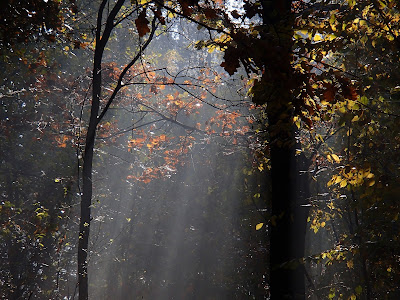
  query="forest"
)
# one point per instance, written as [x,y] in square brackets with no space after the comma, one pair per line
[198,149]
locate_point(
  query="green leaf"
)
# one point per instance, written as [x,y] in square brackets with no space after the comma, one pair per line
[364,100]
[358,290]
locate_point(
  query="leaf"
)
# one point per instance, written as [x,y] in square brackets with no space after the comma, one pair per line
[338,179]
[370,175]
[187,11]
[329,92]
[210,13]
[231,60]
[343,183]
[259,226]
[142,24]
[358,290]
[159,16]
[350,264]
[235,14]
[335,158]
[317,38]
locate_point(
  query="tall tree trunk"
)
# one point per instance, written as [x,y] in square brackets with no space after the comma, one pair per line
[102,37]
[87,185]
[288,221]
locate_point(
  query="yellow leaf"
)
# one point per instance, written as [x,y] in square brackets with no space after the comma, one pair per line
[323,224]
[350,264]
[211,49]
[259,226]
[317,37]
[171,15]
[330,37]
[343,183]
[336,158]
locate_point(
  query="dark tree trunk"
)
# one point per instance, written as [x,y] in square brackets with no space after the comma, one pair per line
[102,37]
[288,222]
[87,186]
[289,218]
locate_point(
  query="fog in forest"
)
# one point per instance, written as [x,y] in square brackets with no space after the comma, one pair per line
[186,231]
[173,150]
[188,235]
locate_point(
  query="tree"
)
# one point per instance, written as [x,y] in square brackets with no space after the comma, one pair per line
[96,116]
[36,200]
[124,79]
[363,121]
[279,80]
[313,67]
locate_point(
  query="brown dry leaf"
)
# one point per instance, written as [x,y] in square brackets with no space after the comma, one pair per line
[142,24]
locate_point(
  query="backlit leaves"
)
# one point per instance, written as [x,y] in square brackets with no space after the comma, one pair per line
[231,60]
[142,24]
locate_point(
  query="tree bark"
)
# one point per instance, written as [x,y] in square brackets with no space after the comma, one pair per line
[87,184]
[288,222]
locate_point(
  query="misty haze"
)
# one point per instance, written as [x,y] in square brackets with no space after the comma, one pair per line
[179,150]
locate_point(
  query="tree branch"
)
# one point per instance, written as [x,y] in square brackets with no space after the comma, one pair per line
[126,69]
